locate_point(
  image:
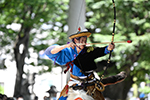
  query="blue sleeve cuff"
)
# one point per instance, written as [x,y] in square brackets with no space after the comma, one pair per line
[106,50]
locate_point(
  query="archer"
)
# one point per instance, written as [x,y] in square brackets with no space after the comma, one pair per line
[79,59]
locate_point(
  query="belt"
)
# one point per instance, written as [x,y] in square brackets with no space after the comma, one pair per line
[98,85]
[90,77]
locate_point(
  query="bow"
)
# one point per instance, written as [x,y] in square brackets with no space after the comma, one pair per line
[112,40]
[113,33]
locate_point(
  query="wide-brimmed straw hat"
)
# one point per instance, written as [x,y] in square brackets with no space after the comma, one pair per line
[80,34]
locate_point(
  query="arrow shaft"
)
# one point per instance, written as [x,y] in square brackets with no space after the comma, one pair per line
[101,43]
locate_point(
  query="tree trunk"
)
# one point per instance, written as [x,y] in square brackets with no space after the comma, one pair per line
[19,57]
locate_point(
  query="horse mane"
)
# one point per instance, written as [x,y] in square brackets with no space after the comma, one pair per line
[74,94]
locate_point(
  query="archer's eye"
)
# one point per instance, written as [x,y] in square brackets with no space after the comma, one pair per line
[83,40]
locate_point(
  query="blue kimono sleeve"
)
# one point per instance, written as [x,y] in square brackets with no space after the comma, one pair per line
[106,50]
[61,57]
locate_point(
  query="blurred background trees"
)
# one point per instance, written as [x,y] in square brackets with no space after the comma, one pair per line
[29,26]
[20,22]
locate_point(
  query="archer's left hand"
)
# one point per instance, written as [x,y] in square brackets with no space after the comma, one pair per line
[111,46]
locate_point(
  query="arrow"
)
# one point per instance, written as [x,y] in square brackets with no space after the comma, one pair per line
[129,41]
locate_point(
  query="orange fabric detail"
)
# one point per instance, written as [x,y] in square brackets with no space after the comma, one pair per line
[64,92]
[78,98]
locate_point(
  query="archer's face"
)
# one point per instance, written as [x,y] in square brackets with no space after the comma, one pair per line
[82,40]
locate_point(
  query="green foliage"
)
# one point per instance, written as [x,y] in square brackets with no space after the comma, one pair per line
[31,15]
[45,62]
[1,89]
[132,23]
[145,90]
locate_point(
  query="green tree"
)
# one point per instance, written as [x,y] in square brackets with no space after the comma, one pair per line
[1,89]
[132,23]
[133,18]
[29,15]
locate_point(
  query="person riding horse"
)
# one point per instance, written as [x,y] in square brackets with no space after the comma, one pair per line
[79,59]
